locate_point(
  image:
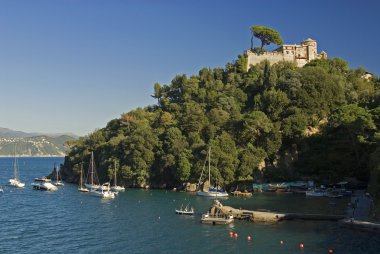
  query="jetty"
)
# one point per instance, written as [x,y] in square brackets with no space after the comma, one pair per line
[358,213]
[268,216]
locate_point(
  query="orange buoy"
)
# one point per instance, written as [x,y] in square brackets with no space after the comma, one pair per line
[281,242]
[231,234]
[249,238]
[236,235]
[301,245]
[330,251]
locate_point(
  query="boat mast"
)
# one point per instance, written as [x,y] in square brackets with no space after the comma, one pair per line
[209,159]
[115,174]
[81,175]
[92,168]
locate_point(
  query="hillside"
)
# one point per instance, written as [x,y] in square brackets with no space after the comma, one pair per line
[272,122]
[8,133]
[40,146]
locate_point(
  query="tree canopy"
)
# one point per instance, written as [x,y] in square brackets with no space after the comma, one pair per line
[266,35]
[276,122]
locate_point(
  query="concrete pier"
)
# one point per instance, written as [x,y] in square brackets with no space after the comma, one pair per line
[268,216]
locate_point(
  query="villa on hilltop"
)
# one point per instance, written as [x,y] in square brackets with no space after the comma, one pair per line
[297,54]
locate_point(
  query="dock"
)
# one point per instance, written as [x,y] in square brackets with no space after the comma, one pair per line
[268,216]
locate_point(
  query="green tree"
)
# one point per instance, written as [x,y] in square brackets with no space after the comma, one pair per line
[266,35]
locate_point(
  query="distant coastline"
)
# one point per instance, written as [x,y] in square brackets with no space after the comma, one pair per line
[34,156]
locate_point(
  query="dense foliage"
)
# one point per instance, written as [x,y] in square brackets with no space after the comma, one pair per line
[279,122]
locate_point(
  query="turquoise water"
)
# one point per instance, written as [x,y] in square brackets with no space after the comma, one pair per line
[143,221]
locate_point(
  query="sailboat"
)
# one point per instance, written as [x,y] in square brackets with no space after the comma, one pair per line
[57,181]
[15,180]
[92,181]
[115,187]
[81,188]
[210,192]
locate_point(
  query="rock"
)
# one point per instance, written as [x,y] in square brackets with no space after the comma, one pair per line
[191,187]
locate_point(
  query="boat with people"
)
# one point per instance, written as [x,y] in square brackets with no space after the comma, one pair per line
[45,186]
[185,210]
[115,187]
[15,181]
[210,191]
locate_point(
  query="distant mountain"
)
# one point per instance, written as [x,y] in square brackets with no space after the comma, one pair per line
[8,133]
[40,146]
[32,144]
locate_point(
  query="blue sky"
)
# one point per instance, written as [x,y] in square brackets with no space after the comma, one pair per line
[73,65]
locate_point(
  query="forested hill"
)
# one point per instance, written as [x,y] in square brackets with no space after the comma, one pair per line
[273,122]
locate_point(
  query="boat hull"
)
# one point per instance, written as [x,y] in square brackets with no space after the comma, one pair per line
[44,186]
[212,194]
[214,220]
[103,194]
[184,212]
[117,188]
[16,183]
[83,190]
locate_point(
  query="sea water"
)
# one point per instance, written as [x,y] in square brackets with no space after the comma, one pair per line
[144,221]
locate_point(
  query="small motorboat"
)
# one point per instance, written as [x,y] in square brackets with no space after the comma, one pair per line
[216,219]
[44,186]
[185,211]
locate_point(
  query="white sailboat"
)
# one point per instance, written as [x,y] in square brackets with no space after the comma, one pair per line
[15,181]
[57,181]
[92,181]
[81,188]
[115,187]
[210,192]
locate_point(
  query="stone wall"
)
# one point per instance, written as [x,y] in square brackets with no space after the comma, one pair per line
[297,54]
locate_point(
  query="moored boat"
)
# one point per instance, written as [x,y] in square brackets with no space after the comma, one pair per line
[103,192]
[15,182]
[57,181]
[42,179]
[116,188]
[216,219]
[211,191]
[81,188]
[44,186]
[185,211]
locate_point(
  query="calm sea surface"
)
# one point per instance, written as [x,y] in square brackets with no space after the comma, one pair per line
[143,221]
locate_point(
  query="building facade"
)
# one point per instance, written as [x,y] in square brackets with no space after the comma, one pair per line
[297,54]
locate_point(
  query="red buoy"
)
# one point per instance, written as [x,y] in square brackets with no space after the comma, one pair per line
[330,251]
[231,234]
[301,245]
[236,235]
[249,238]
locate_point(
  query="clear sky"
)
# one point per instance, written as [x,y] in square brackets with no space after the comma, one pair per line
[73,65]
